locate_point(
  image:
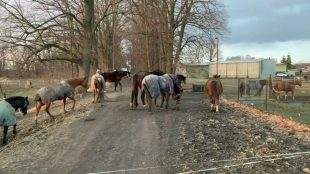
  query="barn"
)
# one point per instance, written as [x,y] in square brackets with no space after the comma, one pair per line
[258,68]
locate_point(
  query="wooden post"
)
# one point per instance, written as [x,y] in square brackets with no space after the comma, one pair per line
[266,93]
[238,81]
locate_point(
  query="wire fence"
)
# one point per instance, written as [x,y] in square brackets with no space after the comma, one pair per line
[259,93]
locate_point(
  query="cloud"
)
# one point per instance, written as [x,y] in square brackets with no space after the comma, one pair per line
[296,49]
[262,21]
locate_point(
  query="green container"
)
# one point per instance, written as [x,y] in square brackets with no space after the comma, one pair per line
[197,88]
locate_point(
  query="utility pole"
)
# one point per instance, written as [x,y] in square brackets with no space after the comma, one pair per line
[217,56]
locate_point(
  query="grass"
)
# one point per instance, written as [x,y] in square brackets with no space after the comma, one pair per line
[298,110]
[16,91]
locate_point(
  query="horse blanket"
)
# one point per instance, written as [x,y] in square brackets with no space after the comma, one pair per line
[156,84]
[55,92]
[100,78]
[256,85]
[7,114]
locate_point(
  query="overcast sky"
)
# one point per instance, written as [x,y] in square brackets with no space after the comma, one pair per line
[268,28]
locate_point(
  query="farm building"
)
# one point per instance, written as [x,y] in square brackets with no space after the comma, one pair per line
[259,68]
[193,70]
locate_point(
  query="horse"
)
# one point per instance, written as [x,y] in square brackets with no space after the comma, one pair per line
[97,87]
[213,89]
[166,85]
[286,87]
[8,107]
[116,77]
[256,85]
[137,84]
[59,91]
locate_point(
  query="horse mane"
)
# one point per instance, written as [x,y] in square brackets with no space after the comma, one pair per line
[78,81]
[157,72]
[216,76]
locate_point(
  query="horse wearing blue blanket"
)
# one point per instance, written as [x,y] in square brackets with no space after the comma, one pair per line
[165,86]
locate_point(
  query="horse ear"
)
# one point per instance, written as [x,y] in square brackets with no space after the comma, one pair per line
[26,98]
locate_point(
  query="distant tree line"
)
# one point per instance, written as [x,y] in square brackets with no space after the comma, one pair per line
[109,34]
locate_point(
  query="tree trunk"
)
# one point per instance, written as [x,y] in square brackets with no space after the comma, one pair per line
[88,53]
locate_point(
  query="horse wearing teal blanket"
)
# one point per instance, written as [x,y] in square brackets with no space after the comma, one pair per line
[8,107]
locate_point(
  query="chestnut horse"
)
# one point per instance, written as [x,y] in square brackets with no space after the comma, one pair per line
[60,91]
[116,77]
[213,89]
[137,84]
[285,87]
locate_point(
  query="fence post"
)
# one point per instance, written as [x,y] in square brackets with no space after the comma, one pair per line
[266,97]
[268,85]
[238,81]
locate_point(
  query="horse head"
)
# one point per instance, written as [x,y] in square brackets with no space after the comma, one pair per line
[19,102]
[24,107]
[216,76]
[181,78]
[297,81]
[128,73]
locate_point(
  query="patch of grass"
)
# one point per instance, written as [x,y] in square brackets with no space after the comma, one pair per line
[297,111]
[16,91]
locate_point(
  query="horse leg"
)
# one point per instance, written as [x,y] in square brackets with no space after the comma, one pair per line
[162,99]
[47,109]
[115,85]
[73,99]
[64,104]
[285,96]
[149,101]
[38,108]
[5,131]
[293,96]
[167,100]
[217,107]
[94,96]
[120,85]
[14,130]
[142,98]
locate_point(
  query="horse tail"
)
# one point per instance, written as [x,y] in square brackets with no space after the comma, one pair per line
[37,97]
[147,90]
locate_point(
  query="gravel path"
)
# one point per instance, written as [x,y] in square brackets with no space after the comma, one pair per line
[110,137]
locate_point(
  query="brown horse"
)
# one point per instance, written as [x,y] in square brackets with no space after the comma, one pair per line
[279,87]
[116,77]
[137,84]
[213,89]
[60,91]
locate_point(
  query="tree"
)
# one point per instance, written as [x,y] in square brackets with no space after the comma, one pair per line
[287,61]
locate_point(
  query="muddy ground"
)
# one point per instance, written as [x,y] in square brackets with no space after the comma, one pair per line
[110,137]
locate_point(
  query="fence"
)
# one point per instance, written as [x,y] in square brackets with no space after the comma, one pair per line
[298,109]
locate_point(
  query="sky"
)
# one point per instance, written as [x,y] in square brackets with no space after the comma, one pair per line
[268,28]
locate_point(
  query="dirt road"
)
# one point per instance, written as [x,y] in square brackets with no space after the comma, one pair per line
[112,137]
